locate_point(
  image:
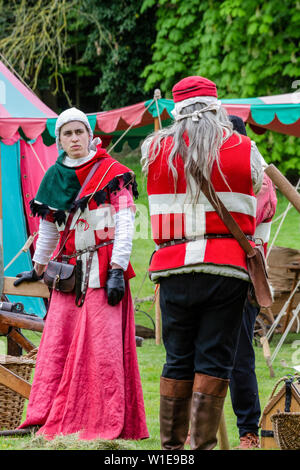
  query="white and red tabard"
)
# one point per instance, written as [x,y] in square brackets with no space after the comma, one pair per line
[174,216]
[95,225]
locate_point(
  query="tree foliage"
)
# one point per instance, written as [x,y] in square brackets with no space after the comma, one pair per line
[121,60]
[103,55]
[33,34]
[87,53]
[249,48]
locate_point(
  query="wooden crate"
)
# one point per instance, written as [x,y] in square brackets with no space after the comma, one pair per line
[275,404]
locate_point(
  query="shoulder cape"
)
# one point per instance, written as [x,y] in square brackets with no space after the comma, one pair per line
[61,184]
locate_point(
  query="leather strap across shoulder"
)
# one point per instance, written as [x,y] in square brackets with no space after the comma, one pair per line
[227,218]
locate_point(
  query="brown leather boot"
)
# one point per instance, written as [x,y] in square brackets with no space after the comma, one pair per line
[175,405]
[207,404]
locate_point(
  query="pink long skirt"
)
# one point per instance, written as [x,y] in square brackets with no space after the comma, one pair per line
[86,378]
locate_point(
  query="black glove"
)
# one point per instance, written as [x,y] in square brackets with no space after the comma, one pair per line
[115,286]
[28,276]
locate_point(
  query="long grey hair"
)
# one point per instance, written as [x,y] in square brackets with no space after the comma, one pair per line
[206,135]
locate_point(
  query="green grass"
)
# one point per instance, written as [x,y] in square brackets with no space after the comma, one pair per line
[289,230]
[152,356]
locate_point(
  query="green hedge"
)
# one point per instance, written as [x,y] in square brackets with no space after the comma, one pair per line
[248,47]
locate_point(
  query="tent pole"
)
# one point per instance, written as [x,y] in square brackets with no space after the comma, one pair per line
[156,124]
[157,121]
[284,186]
[157,127]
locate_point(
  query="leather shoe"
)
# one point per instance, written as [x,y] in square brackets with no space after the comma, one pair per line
[249,441]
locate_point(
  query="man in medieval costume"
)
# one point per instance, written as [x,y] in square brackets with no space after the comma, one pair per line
[86,379]
[201,268]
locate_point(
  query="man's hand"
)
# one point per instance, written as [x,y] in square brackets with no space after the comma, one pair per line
[27,276]
[115,286]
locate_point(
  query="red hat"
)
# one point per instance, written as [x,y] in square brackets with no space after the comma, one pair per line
[190,87]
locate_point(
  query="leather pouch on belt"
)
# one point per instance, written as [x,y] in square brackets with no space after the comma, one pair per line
[260,293]
[60,276]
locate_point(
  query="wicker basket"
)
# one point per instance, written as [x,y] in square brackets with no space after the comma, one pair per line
[286,427]
[11,403]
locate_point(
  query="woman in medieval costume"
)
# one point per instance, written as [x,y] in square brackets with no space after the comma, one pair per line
[86,379]
[199,265]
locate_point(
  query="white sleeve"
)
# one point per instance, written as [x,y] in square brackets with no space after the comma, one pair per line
[46,242]
[258,165]
[124,229]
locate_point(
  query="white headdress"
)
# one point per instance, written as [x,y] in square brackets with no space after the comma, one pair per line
[212,104]
[72,114]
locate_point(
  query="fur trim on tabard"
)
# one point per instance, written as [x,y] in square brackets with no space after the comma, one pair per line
[135,189]
[129,179]
[114,185]
[41,210]
[100,197]
[59,217]
[81,204]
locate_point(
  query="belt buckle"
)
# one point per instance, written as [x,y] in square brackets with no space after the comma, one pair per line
[56,282]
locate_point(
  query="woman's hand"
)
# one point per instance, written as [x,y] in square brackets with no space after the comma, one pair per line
[28,276]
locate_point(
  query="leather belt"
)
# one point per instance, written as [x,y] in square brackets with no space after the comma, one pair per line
[80,297]
[89,249]
[205,236]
